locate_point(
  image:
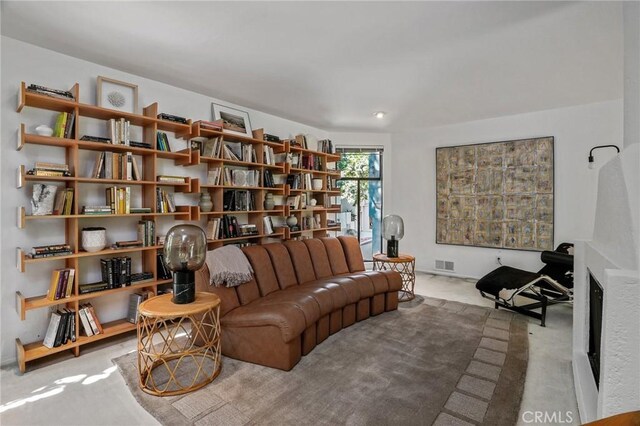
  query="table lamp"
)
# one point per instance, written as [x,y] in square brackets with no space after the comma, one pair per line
[185,250]
[392,231]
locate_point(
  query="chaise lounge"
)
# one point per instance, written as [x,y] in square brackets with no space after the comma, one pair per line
[301,292]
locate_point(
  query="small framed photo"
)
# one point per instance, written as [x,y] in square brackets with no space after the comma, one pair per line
[234,120]
[118,95]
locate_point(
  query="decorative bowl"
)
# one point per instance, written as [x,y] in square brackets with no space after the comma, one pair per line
[43,130]
[94,239]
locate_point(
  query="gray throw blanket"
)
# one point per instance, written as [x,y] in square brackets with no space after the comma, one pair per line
[228,266]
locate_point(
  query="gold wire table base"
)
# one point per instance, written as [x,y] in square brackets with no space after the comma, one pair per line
[178,351]
[405,265]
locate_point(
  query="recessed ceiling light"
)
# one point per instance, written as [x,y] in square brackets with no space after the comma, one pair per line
[379,114]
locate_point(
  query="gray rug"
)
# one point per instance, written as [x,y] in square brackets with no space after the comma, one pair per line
[430,362]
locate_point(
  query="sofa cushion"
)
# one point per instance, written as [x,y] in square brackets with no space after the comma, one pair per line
[336,293]
[321,297]
[378,279]
[302,300]
[394,279]
[350,287]
[248,292]
[289,319]
[301,261]
[352,253]
[263,271]
[282,264]
[319,258]
[337,260]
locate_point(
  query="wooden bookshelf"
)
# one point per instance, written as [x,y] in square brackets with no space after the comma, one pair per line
[147,186]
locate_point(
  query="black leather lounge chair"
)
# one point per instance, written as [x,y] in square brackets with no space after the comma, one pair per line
[552,284]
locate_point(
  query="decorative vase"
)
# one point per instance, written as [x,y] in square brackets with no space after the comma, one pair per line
[269,204]
[317,184]
[292,221]
[313,202]
[94,239]
[205,202]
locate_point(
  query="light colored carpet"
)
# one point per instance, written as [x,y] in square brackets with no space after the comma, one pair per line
[430,362]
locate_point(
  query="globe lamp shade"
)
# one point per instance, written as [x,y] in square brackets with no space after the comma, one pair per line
[392,231]
[185,250]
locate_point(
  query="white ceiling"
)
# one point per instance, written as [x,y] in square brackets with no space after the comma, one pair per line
[332,64]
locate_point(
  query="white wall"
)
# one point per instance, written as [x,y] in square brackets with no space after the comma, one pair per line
[631,13]
[24,62]
[575,129]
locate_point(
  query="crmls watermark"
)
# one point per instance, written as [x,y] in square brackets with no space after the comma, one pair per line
[548,417]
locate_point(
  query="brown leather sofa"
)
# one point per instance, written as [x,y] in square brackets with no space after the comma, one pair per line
[302,292]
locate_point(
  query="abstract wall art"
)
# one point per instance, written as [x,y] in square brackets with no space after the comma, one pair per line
[497,194]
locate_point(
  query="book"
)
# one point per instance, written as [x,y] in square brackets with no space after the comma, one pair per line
[54,324]
[134,301]
[56,93]
[61,328]
[268,225]
[84,320]
[96,327]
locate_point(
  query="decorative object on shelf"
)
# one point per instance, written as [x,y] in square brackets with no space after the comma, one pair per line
[235,121]
[205,202]
[292,221]
[44,130]
[117,95]
[269,203]
[591,159]
[317,184]
[42,199]
[303,201]
[313,202]
[392,231]
[94,239]
[185,251]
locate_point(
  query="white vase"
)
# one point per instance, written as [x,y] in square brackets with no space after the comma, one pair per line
[292,221]
[205,202]
[269,203]
[317,184]
[94,239]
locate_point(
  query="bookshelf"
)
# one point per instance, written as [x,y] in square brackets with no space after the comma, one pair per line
[146,194]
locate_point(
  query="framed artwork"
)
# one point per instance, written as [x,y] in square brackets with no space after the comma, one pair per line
[498,194]
[118,95]
[234,120]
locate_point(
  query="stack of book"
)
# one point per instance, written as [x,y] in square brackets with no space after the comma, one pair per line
[52,250]
[118,199]
[127,244]
[269,155]
[300,181]
[213,176]
[49,169]
[147,232]
[64,125]
[96,210]
[116,271]
[224,227]
[89,320]
[164,201]
[140,210]
[54,93]
[114,165]
[119,131]
[311,162]
[171,179]
[63,202]
[62,328]
[174,118]
[61,283]
[248,229]
[210,125]
[162,142]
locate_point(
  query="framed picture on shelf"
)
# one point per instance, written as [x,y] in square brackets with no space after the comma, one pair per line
[118,95]
[234,120]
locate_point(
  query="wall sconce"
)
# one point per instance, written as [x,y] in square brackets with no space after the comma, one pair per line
[591,159]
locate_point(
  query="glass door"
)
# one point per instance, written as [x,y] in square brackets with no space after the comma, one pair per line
[361,197]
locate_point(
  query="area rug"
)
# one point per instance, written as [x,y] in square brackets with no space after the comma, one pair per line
[430,362]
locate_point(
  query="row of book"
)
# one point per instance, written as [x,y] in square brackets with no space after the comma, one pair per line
[49,169]
[116,271]
[61,283]
[147,233]
[267,179]
[118,199]
[300,181]
[135,299]
[63,202]
[114,165]
[51,250]
[269,155]
[171,179]
[238,200]
[64,125]
[228,227]
[136,278]
[54,93]
[99,139]
[326,146]
[119,131]
[213,176]
[163,271]
[62,325]
[165,202]
[309,162]
[162,142]
[208,148]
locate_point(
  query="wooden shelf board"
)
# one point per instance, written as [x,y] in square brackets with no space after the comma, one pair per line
[97,253]
[246,237]
[36,100]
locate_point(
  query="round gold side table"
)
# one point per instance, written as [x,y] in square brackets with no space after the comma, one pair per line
[178,345]
[405,264]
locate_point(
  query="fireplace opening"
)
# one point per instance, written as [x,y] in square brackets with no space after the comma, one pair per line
[595,326]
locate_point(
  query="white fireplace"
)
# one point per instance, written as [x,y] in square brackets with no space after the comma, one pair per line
[610,259]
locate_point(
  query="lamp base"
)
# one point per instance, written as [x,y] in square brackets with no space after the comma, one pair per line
[392,248]
[184,287]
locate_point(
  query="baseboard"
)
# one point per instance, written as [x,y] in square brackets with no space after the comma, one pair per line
[447,274]
[11,362]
